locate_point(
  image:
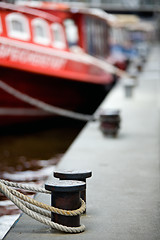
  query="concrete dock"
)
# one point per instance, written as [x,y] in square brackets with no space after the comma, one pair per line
[123,195]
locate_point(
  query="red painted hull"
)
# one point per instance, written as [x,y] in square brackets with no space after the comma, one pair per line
[67,94]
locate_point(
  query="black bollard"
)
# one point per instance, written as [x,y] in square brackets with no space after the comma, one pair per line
[66,195]
[79,175]
[109,121]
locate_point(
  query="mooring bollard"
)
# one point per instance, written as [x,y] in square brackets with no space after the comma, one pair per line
[133,73]
[129,85]
[139,65]
[66,195]
[78,175]
[109,121]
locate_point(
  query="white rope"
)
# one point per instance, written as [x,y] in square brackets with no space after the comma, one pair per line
[47,207]
[26,187]
[8,192]
[36,209]
[42,105]
[40,204]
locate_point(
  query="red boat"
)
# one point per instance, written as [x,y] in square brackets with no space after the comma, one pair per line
[51,55]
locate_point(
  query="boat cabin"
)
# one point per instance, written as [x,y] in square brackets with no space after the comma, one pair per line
[52,40]
[57,29]
[32,26]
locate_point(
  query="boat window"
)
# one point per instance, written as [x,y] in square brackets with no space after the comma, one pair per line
[17,26]
[97,37]
[58,35]
[71,32]
[41,32]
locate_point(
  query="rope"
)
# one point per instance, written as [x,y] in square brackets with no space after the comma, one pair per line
[27,187]
[39,204]
[37,216]
[42,105]
[36,209]
[24,203]
[107,67]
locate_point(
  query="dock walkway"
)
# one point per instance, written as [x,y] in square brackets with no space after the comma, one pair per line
[123,195]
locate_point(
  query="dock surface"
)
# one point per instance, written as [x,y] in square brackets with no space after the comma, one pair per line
[123,195]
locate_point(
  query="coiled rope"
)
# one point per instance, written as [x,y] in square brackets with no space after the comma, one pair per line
[44,106]
[38,210]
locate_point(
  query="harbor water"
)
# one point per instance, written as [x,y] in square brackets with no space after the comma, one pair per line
[28,154]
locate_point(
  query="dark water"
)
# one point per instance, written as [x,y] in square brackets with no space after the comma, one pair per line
[29,153]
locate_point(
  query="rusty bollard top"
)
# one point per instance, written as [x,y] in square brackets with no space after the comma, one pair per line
[65,186]
[107,114]
[80,175]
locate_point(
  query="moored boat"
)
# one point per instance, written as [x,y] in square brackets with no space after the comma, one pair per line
[53,54]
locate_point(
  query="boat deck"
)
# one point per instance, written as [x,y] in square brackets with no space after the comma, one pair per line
[123,194]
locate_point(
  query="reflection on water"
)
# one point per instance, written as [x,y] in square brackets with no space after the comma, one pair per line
[29,153]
